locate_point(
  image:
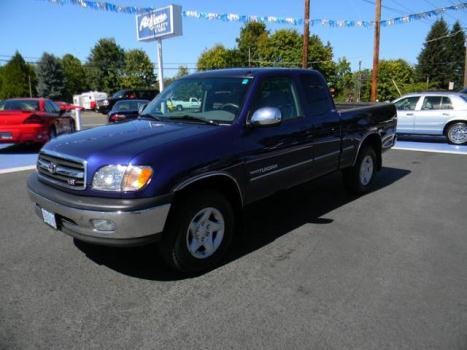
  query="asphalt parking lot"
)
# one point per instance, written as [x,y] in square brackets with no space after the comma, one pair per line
[315,268]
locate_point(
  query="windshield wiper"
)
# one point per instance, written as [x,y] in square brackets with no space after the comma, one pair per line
[149,116]
[193,118]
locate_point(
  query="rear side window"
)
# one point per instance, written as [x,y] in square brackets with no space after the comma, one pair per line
[316,93]
[446,103]
[407,104]
[431,103]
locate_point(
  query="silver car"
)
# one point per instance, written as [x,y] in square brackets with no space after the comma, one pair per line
[433,113]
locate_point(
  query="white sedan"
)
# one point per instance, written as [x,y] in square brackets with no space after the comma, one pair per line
[433,113]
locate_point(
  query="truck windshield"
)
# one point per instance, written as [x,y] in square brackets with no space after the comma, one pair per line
[216,100]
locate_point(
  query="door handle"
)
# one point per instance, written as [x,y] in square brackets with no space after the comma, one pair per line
[446,114]
[409,114]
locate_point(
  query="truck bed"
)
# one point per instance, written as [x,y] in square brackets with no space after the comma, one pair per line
[344,106]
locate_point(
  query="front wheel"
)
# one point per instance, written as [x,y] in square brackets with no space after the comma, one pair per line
[199,232]
[457,133]
[359,178]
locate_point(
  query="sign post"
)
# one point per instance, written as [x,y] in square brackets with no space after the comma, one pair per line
[159,24]
[159,62]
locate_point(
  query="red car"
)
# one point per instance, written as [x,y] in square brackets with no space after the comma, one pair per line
[65,106]
[32,120]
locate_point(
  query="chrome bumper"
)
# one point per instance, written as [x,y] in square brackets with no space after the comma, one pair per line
[132,227]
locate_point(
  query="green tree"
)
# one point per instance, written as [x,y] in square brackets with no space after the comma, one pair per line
[252,36]
[320,56]
[434,57]
[75,76]
[182,71]
[138,70]
[50,76]
[344,80]
[392,73]
[218,57]
[18,78]
[456,51]
[283,48]
[105,65]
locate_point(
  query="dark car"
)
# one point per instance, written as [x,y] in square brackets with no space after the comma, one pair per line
[106,105]
[125,110]
[184,177]
[463,91]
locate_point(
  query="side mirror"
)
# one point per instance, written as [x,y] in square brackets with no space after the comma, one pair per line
[141,108]
[266,116]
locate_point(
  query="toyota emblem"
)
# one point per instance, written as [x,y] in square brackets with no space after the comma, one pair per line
[52,167]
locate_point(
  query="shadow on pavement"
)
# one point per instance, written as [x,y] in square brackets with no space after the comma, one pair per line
[20,149]
[263,222]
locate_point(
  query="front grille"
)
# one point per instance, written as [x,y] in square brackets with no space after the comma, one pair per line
[62,170]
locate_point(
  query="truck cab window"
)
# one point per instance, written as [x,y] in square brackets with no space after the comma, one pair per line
[279,92]
[317,95]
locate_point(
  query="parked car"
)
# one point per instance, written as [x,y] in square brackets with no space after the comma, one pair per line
[463,91]
[126,94]
[433,113]
[67,107]
[35,120]
[125,110]
[183,178]
[180,105]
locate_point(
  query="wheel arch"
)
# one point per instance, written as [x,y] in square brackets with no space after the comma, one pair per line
[453,121]
[373,140]
[219,181]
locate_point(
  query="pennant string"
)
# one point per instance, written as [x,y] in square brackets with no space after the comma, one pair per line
[233,17]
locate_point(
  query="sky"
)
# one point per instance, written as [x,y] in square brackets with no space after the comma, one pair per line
[32,27]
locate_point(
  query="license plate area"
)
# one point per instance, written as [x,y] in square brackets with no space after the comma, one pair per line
[6,136]
[49,218]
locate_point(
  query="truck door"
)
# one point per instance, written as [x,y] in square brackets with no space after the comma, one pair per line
[324,126]
[406,108]
[280,156]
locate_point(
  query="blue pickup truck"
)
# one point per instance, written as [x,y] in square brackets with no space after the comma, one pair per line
[182,177]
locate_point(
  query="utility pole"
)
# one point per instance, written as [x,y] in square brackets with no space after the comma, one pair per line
[306,34]
[374,72]
[30,87]
[359,82]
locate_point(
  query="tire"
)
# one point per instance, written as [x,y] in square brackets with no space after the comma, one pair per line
[179,108]
[187,223]
[72,127]
[359,178]
[457,133]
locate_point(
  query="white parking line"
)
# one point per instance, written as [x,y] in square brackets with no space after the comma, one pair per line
[428,150]
[14,170]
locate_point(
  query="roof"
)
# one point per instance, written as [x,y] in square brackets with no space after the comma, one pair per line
[442,93]
[26,99]
[246,72]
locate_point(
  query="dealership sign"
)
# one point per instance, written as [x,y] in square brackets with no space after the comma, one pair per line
[161,23]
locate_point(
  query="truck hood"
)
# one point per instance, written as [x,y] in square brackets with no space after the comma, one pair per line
[122,142]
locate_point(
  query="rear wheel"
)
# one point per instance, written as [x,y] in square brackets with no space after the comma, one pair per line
[457,133]
[359,178]
[199,232]
[179,108]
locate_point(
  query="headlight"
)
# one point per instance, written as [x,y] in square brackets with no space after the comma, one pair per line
[106,102]
[119,178]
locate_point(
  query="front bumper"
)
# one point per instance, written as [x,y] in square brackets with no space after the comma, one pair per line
[137,221]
